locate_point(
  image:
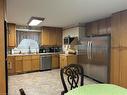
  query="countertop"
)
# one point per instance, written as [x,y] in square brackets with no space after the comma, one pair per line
[68,54]
[35,54]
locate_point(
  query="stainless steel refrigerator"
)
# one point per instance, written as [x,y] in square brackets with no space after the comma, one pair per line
[94,56]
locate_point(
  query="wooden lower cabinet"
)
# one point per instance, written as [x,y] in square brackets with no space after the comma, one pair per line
[11,65]
[22,64]
[72,59]
[26,63]
[114,68]
[35,63]
[67,59]
[18,64]
[55,61]
[63,61]
[119,66]
[123,67]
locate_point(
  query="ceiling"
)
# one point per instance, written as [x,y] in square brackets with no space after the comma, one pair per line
[62,13]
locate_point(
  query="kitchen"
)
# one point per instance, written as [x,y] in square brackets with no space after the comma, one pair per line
[36,54]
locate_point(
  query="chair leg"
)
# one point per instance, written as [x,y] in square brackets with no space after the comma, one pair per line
[22,92]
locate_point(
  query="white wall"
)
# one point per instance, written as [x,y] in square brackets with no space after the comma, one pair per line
[73,32]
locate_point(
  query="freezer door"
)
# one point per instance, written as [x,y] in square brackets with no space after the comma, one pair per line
[84,54]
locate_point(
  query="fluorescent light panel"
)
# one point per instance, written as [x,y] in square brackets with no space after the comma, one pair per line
[34,21]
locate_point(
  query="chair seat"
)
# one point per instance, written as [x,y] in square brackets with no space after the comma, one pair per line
[98,89]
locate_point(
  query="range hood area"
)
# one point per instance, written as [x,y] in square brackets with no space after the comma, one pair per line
[70,40]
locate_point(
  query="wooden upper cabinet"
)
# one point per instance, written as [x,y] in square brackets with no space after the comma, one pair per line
[11,35]
[119,29]
[115,33]
[51,36]
[99,27]
[88,29]
[45,36]
[123,29]
[58,36]
[108,25]
[92,28]
[102,26]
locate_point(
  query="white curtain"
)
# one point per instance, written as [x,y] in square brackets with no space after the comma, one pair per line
[27,35]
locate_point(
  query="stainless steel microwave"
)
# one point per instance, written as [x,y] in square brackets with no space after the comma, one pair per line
[68,40]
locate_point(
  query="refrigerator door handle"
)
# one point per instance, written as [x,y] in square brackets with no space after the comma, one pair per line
[88,43]
[90,49]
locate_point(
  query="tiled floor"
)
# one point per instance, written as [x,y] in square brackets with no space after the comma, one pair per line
[38,83]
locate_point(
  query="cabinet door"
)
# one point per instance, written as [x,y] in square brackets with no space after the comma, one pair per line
[123,67]
[11,66]
[55,61]
[71,59]
[114,67]
[115,33]
[12,35]
[108,25]
[18,66]
[45,36]
[102,27]
[88,29]
[35,63]
[95,28]
[52,36]
[123,29]
[63,61]
[26,63]
[92,28]
[58,36]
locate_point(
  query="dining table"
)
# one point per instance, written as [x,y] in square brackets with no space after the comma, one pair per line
[98,89]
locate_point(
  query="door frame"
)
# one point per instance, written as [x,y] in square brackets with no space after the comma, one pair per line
[6,66]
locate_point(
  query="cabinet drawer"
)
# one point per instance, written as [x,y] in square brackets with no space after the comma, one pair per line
[26,57]
[18,58]
[35,56]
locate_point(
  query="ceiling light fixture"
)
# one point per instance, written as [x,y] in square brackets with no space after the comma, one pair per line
[34,21]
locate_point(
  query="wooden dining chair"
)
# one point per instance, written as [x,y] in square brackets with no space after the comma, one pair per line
[71,75]
[22,92]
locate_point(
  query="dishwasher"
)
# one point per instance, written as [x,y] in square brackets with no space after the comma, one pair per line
[45,62]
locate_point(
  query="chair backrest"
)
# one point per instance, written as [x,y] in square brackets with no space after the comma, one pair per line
[74,75]
[22,92]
